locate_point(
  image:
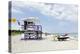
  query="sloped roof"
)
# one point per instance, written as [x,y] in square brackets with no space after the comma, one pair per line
[31,19]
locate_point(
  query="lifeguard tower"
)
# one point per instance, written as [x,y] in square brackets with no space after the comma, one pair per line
[31,30]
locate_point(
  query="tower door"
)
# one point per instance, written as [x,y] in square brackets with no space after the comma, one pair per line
[25,24]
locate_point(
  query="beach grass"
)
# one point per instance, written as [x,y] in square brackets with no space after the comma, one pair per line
[15,32]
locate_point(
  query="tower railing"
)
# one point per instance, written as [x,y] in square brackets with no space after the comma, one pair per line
[34,28]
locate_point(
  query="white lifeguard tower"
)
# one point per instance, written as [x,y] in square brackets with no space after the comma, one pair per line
[31,30]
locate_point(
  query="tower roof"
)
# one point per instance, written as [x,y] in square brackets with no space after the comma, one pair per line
[31,19]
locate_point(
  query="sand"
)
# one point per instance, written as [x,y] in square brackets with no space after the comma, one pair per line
[46,44]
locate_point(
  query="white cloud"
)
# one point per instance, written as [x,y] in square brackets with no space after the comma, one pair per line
[58,11]
[62,12]
[16,11]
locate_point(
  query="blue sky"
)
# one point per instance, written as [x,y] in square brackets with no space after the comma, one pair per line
[54,18]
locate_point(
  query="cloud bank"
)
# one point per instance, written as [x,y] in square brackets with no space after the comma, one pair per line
[65,12]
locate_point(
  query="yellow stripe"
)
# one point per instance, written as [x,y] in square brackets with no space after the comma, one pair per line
[13,20]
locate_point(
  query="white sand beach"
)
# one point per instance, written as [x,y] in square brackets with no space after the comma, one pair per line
[46,44]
